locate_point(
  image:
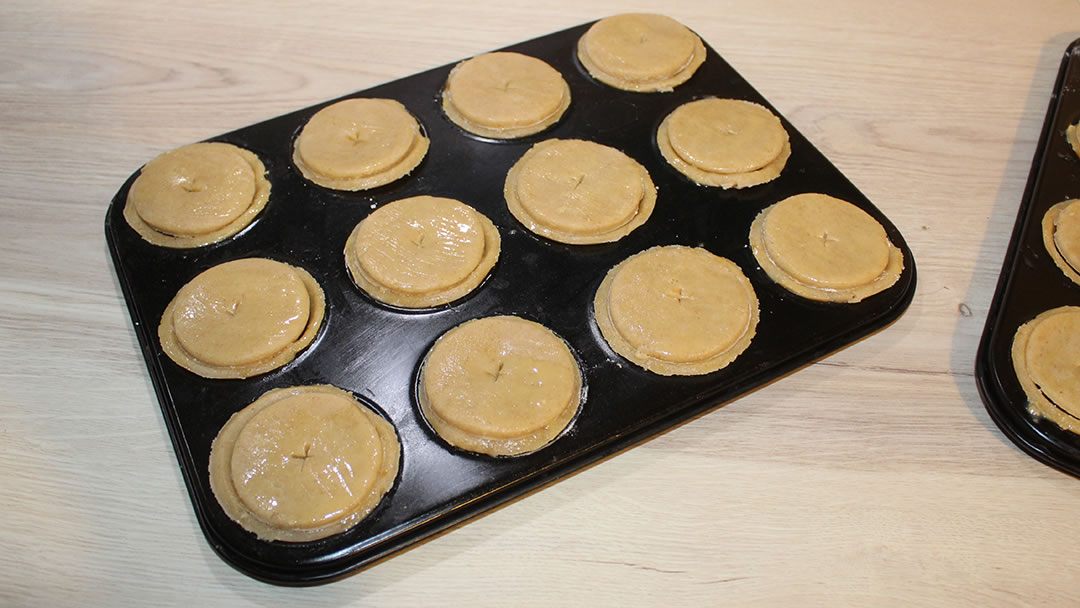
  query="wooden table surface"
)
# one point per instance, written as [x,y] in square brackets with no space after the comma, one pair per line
[874,477]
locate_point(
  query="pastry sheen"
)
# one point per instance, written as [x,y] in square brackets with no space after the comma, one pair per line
[358,144]
[196,195]
[729,143]
[1044,355]
[303,463]
[641,52]
[676,310]
[422,251]
[242,318]
[579,192]
[1061,236]
[822,248]
[501,386]
[505,95]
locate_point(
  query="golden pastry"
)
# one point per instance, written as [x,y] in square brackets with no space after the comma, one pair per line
[357,144]
[303,463]
[1073,138]
[677,310]
[579,192]
[822,248]
[501,386]
[1044,354]
[641,52]
[196,195]
[1061,236]
[242,318]
[505,95]
[730,143]
[422,251]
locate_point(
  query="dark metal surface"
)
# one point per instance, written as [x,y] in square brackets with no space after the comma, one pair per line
[374,351]
[1030,282]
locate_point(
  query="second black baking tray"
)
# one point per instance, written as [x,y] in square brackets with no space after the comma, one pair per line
[374,351]
[1030,282]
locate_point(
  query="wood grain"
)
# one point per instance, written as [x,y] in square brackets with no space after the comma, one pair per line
[874,477]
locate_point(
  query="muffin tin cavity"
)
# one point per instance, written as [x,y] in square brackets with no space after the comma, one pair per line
[374,351]
[1035,280]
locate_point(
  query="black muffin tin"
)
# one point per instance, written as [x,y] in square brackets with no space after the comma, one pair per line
[1031,283]
[374,351]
